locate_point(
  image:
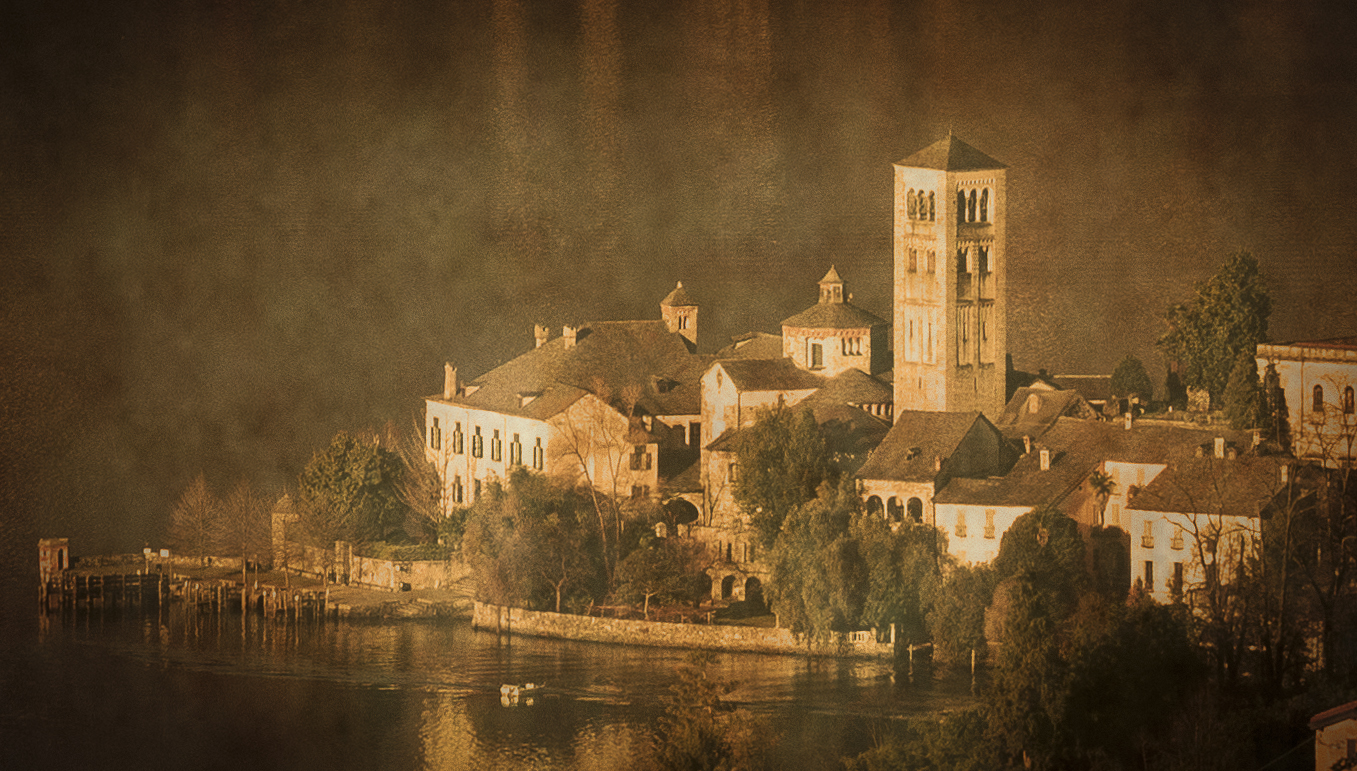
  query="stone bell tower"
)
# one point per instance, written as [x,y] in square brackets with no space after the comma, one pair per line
[950,307]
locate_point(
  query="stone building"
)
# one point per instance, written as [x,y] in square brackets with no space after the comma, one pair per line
[950,307]
[1317,379]
[834,335]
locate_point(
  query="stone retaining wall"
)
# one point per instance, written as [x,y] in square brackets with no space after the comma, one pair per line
[627,632]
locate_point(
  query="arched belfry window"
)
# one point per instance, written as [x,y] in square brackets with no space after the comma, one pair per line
[1318,405]
[961,206]
[913,260]
[984,205]
[961,260]
[911,205]
[984,259]
[930,207]
[1348,405]
[970,208]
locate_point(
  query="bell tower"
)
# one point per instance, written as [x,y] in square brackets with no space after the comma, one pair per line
[950,308]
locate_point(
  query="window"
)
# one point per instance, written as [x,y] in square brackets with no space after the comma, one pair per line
[516,451]
[731,473]
[984,205]
[932,261]
[815,355]
[694,433]
[989,523]
[640,491]
[476,488]
[538,456]
[640,459]
[913,260]
[930,207]
[911,205]
[961,206]
[893,509]
[984,259]
[970,207]
[1177,587]
[914,509]
[435,436]
[1177,541]
[852,346]
[960,523]
[457,438]
[750,555]
[874,506]
[1318,405]
[683,322]
[1149,575]
[457,488]
[961,260]
[1347,401]
[1147,538]
[477,444]
[496,447]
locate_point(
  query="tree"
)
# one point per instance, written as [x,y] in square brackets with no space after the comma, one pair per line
[195,523]
[783,460]
[354,481]
[1131,379]
[901,567]
[819,575]
[420,486]
[956,616]
[699,732]
[1228,315]
[1243,397]
[245,526]
[667,569]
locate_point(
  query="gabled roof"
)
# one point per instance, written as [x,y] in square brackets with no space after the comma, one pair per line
[849,433]
[1018,419]
[841,315]
[1024,485]
[1244,486]
[753,345]
[626,358]
[1332,342]
[908,450]
[769,375]
[1332,716]
[852,386]
[951,154]
[1143,443]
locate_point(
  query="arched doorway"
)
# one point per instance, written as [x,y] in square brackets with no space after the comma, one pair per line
[893,511]
[753,591]
[727,587]
[915,509]
[874,506]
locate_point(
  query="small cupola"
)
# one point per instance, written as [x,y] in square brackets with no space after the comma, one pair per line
[679,311]
[831,287]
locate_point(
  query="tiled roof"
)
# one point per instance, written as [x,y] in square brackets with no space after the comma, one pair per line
[832,277]
[951,154]
[753,345]
[1024,485]
[679,297]
[842,315]
[1243,486]
[1336,715]
[908,450]
[852,386]
[1332,342]
[770,375]
[1017,419]
[849,433]
[623,357]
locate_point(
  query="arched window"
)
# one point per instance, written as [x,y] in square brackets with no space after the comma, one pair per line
[932,261]
[1318,405]
[727,587]
[911,205]
[961,260]
[984,259]
[984,205]
[874,506]
[893,512]
[961,206]
[930,207]
[970,208]
[915,509]
[913,260]
[1347,401]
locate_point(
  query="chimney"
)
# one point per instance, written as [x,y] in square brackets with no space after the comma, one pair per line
[1220,447]
[937,463]
[1286,474]
[1128,420]
[570,334]
[1045,459]
[450,386]
[1026,445]
[540,332]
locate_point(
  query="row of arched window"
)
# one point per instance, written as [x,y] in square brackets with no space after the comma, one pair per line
[894,512]
[981,264]
[919,205]
[972,206]
[1349,404]
[932,263]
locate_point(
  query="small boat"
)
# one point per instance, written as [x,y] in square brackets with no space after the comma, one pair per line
[510,693]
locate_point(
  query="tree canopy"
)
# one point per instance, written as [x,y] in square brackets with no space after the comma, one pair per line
[1131,379]
[355,480]
[1228,314]
[1243,396]
[782,460]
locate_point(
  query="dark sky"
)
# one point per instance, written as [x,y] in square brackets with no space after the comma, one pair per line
[232,229]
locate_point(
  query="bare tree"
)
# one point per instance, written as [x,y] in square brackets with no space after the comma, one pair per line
[195,523]
[245,525]
[421,488]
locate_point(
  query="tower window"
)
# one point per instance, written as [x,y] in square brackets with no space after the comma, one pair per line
[970,207]
[913,260]
[911,205]
[932,261]
[984,259]
[930,207]
[961,206]
[984,205]
[961,260]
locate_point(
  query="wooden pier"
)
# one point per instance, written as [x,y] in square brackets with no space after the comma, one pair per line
[74,590]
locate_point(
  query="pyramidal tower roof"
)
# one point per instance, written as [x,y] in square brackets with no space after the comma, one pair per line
[951,154]
[832,277]
[679,298]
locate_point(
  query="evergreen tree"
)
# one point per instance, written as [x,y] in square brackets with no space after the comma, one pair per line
[1228,315]
[782,461]
[819,576]
[355,480]
[1243,397]
[1131,379]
